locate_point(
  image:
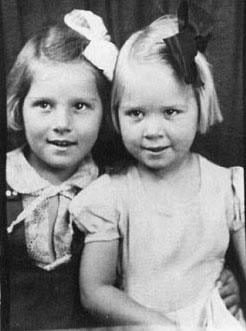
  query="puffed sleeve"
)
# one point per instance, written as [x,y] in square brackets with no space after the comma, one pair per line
[237,184]
[94,211]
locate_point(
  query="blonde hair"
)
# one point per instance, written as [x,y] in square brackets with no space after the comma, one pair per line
[147,45]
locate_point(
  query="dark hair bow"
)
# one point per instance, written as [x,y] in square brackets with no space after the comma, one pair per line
[183,46]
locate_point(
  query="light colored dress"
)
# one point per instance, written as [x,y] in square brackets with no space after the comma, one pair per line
[171,257]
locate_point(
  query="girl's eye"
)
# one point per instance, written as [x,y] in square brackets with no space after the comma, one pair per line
[43,104]
[135,113]
[169,113]
[81,106]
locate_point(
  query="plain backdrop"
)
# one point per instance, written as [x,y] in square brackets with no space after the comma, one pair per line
[225,143]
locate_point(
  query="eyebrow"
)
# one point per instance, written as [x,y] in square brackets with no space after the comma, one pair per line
[50,98]
[133,106]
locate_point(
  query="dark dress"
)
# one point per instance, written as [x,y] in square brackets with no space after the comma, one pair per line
[41,299]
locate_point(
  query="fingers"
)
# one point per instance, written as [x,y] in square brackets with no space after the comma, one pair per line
[225,275]
[228,284]
[228,289]
[232,304]
[234,310]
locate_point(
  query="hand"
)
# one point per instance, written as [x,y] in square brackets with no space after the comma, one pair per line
[229,291]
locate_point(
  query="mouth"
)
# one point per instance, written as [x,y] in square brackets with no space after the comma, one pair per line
[157,149]
[62,143]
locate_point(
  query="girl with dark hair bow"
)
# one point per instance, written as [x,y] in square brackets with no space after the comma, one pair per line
[165,217]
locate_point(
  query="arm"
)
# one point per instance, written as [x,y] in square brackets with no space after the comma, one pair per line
[97,276]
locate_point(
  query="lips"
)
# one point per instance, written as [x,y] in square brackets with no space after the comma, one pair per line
[62,143]
[156,149]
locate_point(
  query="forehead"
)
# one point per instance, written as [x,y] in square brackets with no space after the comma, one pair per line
[56,73]
[150,83]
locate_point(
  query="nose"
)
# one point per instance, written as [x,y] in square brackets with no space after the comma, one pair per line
[154,128]
[62,120]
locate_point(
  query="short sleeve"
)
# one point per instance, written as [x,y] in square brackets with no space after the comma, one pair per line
[237,184]
[94,211]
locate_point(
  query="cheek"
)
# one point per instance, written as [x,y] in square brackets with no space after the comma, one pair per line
[185,133]
[194,127]
[188,128]
[128,131]
[88,129]
[131,141]
[185,139]
[32,130]
[32,122]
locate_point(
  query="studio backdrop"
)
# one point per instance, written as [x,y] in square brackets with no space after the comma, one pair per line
[225,142]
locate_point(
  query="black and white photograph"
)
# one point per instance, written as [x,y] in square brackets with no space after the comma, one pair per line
[122,141]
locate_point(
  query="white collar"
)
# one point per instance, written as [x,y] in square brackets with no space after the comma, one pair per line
[24,179]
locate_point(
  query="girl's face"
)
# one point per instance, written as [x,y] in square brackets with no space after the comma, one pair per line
[158,117]
[62,113]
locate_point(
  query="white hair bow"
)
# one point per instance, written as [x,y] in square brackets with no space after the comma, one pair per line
[101,52]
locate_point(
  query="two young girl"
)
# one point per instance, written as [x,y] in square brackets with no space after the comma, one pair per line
[58,97]
[57,107]
[164,220]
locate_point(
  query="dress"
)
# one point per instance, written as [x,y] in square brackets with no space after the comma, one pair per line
[177,274]
[44,248]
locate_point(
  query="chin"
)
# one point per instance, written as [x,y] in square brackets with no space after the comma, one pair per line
[158,167]
[155,165]
[61,166]
[62,162]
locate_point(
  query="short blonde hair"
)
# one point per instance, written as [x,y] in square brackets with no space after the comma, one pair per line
[147,45]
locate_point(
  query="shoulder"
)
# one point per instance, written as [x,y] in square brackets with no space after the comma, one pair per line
[14,155]
[104,191]
[14,162]
[226,183]
[214,172]
[98,209]
[20,175]
[106,182]
[229,179]
[216,168]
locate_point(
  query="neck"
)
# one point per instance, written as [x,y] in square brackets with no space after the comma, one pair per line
[172,171]
[55,176]
[177,186]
